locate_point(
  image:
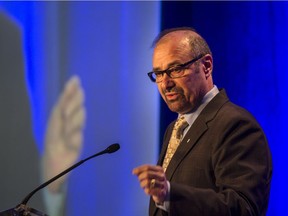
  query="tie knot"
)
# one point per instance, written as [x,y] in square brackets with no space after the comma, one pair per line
[180,125]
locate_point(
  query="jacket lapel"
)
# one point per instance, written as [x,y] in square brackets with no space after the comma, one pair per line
[165,143]
[190,140]
[198,128]
[194,133]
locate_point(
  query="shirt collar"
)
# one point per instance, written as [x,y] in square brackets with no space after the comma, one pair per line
[191,117]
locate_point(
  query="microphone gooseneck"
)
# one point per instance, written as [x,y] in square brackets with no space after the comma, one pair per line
[110,149]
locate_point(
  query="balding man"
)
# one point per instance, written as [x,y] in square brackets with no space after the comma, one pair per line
[215,160]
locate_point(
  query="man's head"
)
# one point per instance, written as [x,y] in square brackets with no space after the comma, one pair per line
[190,82]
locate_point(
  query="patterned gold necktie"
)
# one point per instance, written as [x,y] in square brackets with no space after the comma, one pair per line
[175,140]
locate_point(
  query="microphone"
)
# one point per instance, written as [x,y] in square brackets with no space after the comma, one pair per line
[112,148]
[22,208]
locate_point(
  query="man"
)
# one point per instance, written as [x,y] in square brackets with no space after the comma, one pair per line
[222,165]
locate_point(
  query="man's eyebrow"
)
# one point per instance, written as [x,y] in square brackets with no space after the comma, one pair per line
[172,64]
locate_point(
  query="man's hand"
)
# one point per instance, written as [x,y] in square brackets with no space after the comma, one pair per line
[64,134]
[153,181]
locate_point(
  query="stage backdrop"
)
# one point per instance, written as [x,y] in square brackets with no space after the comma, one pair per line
[107,44]
[249,43]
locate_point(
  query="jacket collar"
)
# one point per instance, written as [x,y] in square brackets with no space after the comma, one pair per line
[194,133]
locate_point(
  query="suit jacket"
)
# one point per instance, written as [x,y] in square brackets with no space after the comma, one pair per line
[221,167]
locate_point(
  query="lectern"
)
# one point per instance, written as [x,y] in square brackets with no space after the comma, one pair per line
[22,210]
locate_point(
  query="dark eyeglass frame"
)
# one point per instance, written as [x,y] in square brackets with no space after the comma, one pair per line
[168,71]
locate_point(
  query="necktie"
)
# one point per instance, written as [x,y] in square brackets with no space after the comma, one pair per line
[175,139]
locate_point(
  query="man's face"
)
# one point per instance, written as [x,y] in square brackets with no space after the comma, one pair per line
[184,94]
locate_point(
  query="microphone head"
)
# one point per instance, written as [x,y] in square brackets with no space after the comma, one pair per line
[113,148]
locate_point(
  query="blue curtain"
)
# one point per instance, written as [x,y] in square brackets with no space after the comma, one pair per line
[249,43]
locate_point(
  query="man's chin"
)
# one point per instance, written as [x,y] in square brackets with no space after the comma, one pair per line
[175,107]
[179,108]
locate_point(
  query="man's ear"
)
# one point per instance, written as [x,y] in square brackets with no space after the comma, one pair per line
[207,62]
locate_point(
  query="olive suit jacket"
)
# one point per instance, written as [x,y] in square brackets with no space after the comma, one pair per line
[221,167]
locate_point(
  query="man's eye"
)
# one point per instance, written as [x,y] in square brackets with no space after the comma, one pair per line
[158,74]
[176,70]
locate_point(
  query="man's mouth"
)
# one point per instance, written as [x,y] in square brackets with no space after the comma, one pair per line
[171,95]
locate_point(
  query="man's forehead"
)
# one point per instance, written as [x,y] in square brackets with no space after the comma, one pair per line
[171,49]
[167,56]
[173,43]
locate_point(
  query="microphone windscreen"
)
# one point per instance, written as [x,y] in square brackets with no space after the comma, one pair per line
[113,148]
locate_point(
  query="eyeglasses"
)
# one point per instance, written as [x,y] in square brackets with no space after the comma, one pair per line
[176,71]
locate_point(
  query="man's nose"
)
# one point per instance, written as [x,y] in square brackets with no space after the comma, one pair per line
[167,81]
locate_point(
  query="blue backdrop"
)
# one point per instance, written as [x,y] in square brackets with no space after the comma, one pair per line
[107,45]
[249,43]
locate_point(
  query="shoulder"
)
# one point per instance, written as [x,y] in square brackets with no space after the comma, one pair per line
[223,115]
[221,106]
